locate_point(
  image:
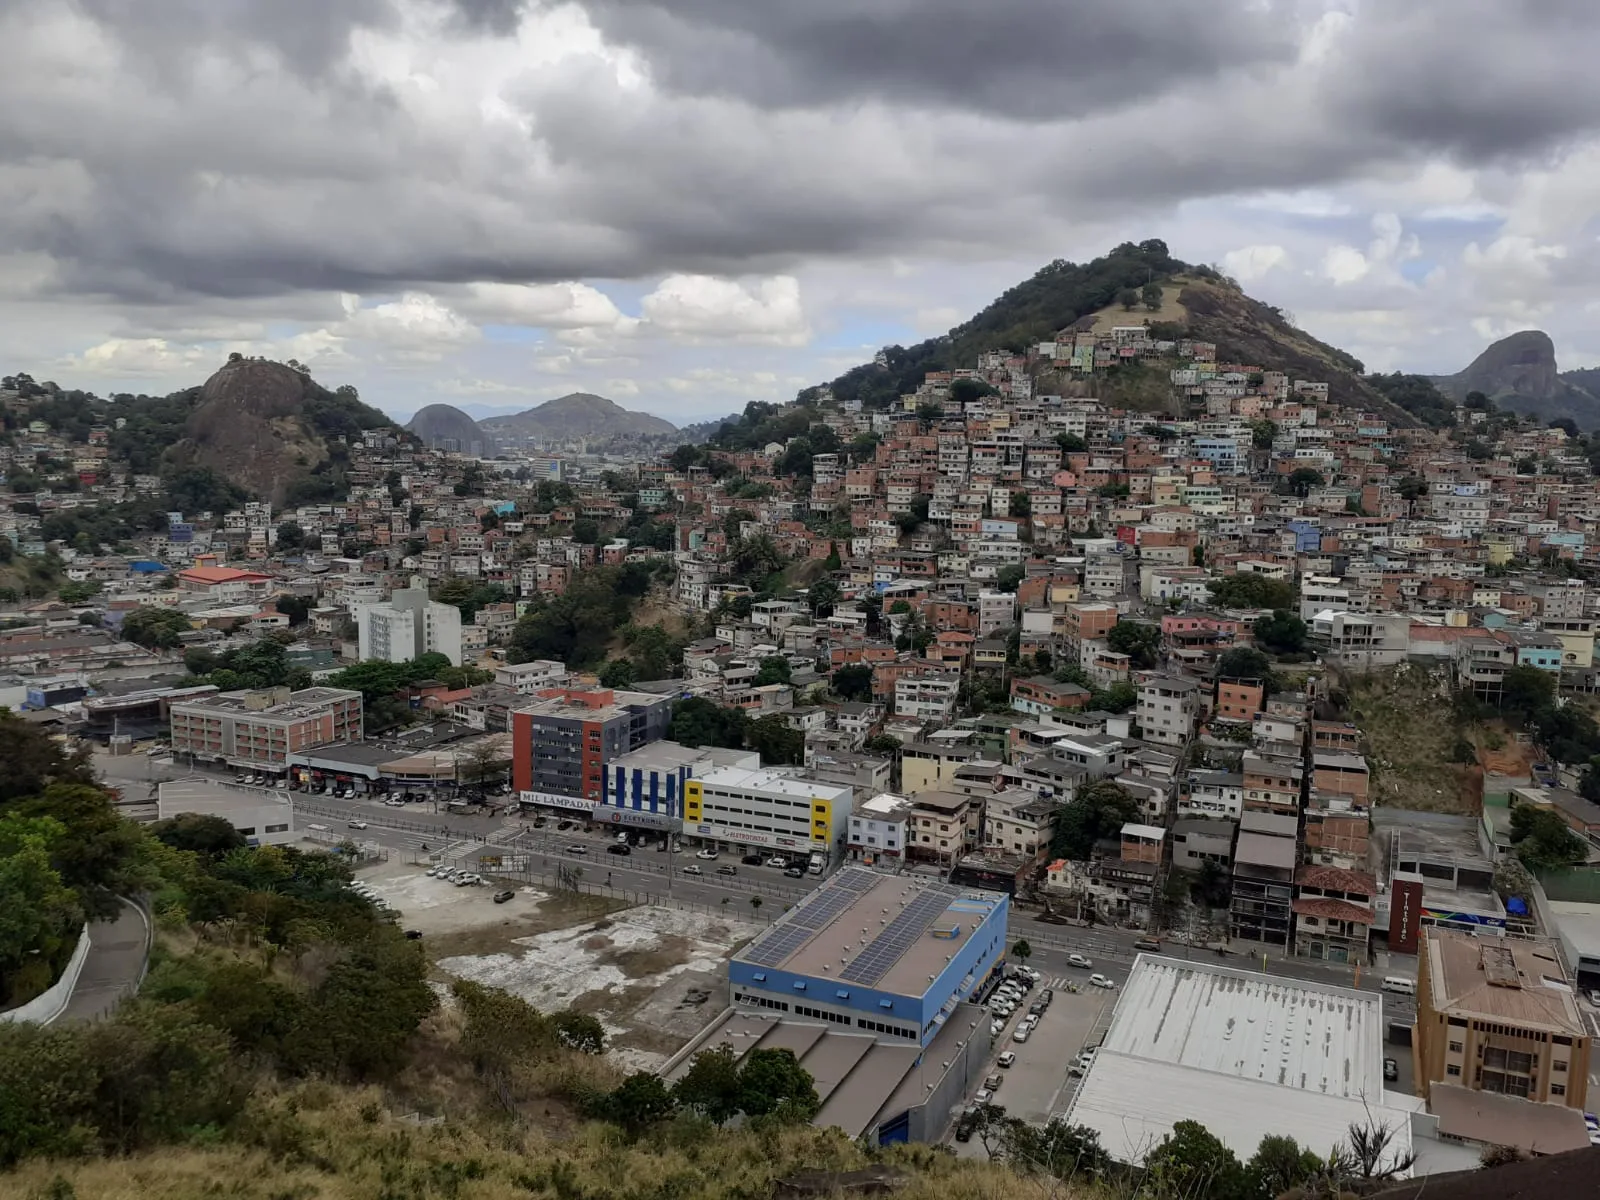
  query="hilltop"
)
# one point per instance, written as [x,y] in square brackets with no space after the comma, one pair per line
[445,424]
[270,428]
[1193,302]
[1519,373]
[578,416]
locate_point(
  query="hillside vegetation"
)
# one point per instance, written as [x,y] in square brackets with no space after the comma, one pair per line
[1419,760]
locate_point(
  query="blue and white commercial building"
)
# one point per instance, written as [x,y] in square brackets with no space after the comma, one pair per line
[881,954]
[645,788]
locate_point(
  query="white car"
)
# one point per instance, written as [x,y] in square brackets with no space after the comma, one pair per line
[777,860]
[1101,981]
[1031,973]
[1021,1035]
[1004,1010]
[358,824]
[983,1097]
[1078,960]
[997,1028]
[1006,1059]
[708,855]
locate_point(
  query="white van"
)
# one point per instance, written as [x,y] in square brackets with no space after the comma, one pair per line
[1400,984]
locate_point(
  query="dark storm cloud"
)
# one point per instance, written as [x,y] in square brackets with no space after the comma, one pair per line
[1033,59]
[788,132]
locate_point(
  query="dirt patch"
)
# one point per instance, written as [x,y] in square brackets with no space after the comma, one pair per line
[1171,310]
[641,962]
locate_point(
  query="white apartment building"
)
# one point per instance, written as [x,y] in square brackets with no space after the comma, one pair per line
[1213,794]
[1167,709]
[530,677]
[926,697]
[1018,821]
[880,827]
[409,625]
[1363,641]
[772,807]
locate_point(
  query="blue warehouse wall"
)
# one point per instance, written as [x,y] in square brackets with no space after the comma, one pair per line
[980,949]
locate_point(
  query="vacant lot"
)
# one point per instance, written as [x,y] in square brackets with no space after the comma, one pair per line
[1405,715]
[652,975]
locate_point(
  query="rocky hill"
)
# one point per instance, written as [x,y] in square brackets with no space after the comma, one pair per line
[445,426]
[1196,302]
[1519,373]
[578,417]
[266,426]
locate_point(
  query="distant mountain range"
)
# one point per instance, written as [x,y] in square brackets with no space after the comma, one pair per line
[580,417]
[1519,373]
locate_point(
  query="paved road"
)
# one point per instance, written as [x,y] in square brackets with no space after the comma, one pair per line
[113,968]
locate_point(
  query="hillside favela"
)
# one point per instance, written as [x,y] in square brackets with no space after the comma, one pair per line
[578,704]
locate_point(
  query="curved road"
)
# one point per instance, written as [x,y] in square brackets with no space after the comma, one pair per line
[114,967]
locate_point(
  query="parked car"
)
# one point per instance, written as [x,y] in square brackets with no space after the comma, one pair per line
[777,860]
[502,897]
[413,934]
[577,848]
[1007,1059]
[563,826]
[708,855]
[993,1081]
[619,848]
[1594,997]
[1078,960]
[727,869]
[693,869]
[1046,996]
[1036,1008]
[984,1096]
[1391,1070]
[540,822]
[1021,1035]
[996,1028]
[795,872]
[751,860]
[1101,981]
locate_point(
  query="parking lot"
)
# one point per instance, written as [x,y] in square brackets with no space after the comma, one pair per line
[1037,1085]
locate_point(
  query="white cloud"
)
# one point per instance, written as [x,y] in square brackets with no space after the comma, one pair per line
[545,306]
[711,308]
[1249,263]
[139,356]
[1344,264]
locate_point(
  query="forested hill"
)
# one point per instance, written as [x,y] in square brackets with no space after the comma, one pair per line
[1032,311]
[1143,278]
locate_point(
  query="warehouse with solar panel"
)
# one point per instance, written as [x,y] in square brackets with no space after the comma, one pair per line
[869,980]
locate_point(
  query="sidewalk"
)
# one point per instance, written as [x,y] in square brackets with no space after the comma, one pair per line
[114,968]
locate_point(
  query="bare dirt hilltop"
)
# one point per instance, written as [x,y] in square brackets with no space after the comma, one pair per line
[267,426]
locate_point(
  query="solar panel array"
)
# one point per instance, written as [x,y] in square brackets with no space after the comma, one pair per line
[898,936]
[801,924]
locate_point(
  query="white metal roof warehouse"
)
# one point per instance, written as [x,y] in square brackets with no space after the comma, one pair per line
[1244,1054]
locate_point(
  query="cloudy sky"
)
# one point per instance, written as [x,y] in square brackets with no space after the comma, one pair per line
[688,204]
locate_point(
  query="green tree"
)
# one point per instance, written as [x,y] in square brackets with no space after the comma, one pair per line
[155,628]
[1020,506]
[101,854]
[773,670]
[1129,298]
[586,531]
[638,1103]
[39,914]
[772,738]
[882,743]
[1058,1149]
[772,1082]
[1526,690]
[1245,663]
[1543,841]
[1249,590]
[1281,633]
[73,594]
[1278,1165]
[697,721]
[1098,809]
[1263,433]
[198,833]
[1139,640]
[1009,577]
[618,673]
[291,537]
[579,1031]
[711,1085]
[1071,443]
[1022,950]
[1193,1163]
[1150,295]
[822,596]
[853,682]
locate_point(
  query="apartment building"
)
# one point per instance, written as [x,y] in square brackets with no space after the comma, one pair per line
[529,677]
[1041,695]
[926,696]
[260,729]
[563,740]
[1333,913]
[737,807]
[1167,709]
[880,828]
[928,766]
[944,826]
[1200,840]
[1272,783]
[1260,906]
[1018,821]
[409,625]
[1498,1015]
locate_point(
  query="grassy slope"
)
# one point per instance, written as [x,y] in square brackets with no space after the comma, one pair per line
[319,1142]
[1409,736]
